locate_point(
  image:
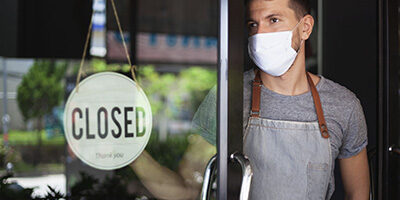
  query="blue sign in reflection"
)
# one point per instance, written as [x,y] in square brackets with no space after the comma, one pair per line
[172,40]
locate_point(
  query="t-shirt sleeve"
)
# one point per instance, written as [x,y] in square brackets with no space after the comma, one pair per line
[355,136]
[204,121]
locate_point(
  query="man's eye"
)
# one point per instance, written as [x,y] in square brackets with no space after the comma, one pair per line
[252,25]
[274,20]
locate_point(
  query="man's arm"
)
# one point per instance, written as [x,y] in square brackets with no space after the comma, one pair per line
[355,176]
[164,183]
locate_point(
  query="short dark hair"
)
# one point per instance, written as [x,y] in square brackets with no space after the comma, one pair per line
[300,7]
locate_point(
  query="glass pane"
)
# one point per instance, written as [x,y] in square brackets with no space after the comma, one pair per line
[32,143]
[173,162]
[175,56]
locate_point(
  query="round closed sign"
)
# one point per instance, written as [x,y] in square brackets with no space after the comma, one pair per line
[108,121]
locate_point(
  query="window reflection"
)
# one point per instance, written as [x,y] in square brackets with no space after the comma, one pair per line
[176,53]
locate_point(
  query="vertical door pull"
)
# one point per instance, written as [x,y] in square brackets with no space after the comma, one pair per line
[247,173]
[207,181]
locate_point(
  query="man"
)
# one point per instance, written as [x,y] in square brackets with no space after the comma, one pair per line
[292,157]
[302,122]
[293,134]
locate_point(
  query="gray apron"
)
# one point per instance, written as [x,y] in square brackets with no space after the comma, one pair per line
[290,160]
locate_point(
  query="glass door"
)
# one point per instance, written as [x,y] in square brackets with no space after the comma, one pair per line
[174,46]
[188,59]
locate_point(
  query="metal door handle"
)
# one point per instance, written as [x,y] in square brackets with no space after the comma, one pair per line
[394,149]
[207,181]
[247,174]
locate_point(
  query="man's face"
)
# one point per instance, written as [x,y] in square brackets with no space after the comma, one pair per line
[266,16]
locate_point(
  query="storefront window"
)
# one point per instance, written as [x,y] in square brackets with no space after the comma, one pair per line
[175,67]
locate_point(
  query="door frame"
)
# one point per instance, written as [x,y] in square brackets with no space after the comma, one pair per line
[231,51]
[388,98]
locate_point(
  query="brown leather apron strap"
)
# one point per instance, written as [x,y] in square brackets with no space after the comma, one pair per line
[256,96]
[317,103]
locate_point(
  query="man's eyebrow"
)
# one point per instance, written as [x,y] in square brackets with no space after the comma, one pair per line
[273,15]
[249,19]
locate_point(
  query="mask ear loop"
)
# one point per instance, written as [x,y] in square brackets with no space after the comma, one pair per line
[301,41]
[297,24]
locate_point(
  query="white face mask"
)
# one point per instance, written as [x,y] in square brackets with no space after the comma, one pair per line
[273,52]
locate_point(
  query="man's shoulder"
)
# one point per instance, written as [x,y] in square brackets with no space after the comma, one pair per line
[334,91]
[345,108]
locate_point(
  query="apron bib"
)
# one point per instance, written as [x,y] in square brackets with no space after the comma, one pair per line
[290,160]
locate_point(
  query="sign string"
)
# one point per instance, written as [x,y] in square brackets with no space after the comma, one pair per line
[132,67]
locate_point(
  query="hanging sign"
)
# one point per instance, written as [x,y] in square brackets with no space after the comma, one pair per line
[108,121]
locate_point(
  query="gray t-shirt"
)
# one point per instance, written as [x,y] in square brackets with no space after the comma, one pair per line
[342,110]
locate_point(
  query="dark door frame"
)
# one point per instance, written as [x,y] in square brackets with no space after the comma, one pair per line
[388,99]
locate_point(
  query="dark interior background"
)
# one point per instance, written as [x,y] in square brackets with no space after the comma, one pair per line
[43,28]
[350,57]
